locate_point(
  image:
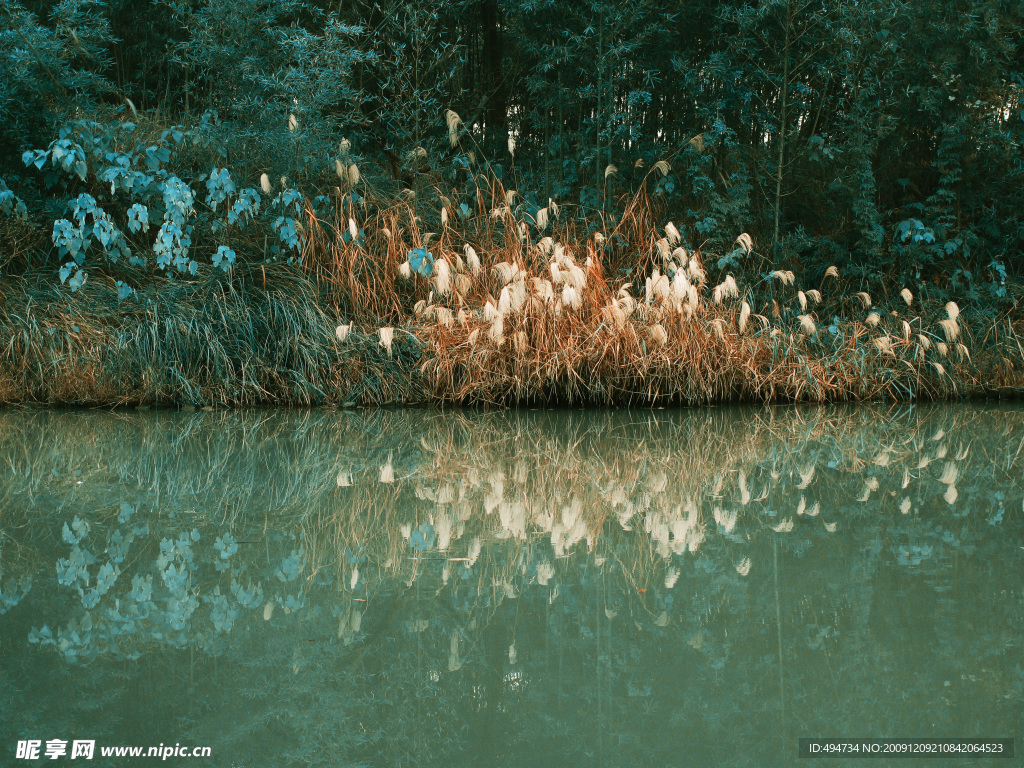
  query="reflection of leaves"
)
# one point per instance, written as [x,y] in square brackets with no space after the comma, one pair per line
[290,566]
[422,538]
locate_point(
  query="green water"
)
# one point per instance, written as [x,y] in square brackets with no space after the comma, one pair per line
[427,588]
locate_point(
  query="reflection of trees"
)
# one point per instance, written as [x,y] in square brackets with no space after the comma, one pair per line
[493,604]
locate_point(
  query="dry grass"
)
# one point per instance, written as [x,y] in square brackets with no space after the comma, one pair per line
[520,308]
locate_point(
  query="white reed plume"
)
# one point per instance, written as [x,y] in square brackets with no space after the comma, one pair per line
[681,286]
[353,174]
[520,343]
[907,296]
[744,314]
[950,328]
[873,319]
[832,272]
[924,341]
[442,277]
[814,295]
[444,317]
[405,270]
[746,242]
[265,184]
[452,119]
[865,299]
[504,301]
[801,298]
[342,331]
[696,272]
[942,348]
[692,299]
[806,325]
[953,311]
[784,276]
[660,286]
[497,330]
[517,293]
[542,219]
[727,289]
[662,167]
[576,277]
[353,229]
[387,335]
[672,233]
[505,271]
[658,335]
[543,289]
[571,297]
[472,260]
[614,315]
[743,568]
[490,311]
[339,169]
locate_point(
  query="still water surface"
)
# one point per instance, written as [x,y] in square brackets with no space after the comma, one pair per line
[543,588]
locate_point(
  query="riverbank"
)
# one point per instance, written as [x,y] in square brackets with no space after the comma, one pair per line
[274,337]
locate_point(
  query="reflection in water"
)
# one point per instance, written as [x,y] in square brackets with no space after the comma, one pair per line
[517,589]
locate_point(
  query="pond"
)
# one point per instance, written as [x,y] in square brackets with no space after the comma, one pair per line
[512,588]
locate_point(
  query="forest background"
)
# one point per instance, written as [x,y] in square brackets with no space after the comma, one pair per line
[322,152]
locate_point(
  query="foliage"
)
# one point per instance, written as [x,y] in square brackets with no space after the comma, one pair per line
[360,143]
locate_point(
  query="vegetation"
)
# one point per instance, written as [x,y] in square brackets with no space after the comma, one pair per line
[427,587]
[481,201]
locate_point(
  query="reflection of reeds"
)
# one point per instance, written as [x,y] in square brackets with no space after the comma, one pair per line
[622,488]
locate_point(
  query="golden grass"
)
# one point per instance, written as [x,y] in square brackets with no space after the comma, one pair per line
[502,318]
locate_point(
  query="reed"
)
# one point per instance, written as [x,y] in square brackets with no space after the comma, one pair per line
[518,306]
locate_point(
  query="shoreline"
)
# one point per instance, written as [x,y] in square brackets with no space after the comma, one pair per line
[214,344]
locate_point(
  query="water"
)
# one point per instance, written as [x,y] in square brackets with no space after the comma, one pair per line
[430,588]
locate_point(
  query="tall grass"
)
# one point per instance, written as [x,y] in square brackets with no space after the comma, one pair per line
[237,343]
[519,307]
